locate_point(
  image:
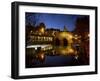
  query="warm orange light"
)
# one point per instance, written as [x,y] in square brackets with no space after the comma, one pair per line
[42,30]
[76,38]
[70,36]
[31,31]
[66,34]
[42,56]
[70,50]
[76,35]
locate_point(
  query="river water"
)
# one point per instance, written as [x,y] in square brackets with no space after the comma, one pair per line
[51,56]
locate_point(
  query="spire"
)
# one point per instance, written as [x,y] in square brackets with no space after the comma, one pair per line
[65,29]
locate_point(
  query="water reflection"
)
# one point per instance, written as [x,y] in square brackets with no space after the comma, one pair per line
[51,55]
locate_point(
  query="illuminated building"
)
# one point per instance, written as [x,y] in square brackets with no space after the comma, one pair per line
[40,35]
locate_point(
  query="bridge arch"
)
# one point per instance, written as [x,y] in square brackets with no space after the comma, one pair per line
[63,39]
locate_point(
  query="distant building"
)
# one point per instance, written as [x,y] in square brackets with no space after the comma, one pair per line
[52,31]
[41,35]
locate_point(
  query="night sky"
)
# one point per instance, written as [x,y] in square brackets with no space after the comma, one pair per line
[57,21]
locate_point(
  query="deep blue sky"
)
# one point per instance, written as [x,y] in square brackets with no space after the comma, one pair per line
[57,21]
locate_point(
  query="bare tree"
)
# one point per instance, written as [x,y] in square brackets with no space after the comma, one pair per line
[32,18]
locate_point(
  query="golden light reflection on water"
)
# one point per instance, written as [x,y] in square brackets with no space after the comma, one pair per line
[60,50]
[64,50]
[41,56]
[52,50]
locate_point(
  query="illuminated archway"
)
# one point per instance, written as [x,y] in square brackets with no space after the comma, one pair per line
[65,42]
[65,38]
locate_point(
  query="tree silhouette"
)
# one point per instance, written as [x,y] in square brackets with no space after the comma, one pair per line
[32,18]
[82,25]
[42,25]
